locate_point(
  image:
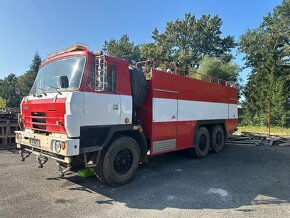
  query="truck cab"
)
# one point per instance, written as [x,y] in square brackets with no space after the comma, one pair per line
[78,102]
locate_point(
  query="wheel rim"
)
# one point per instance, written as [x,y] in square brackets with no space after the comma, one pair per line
[123,161]
[219,138]
[202,142]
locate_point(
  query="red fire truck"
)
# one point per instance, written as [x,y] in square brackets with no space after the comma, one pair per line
[87,109]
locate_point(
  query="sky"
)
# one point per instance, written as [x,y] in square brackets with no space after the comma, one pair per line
[30,26]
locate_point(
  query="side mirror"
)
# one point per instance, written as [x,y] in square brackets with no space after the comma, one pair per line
[63,82]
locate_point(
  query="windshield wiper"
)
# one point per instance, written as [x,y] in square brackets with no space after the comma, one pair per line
[56,89]
[43,91]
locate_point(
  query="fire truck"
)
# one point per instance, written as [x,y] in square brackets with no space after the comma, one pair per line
[87,109]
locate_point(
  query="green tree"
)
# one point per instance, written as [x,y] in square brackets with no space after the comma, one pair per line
[267,52]
[218,68]
[186,42]
[36,62]
[26,80]
[123,48]
[7,91]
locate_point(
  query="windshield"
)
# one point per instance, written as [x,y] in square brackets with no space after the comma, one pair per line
[47,79]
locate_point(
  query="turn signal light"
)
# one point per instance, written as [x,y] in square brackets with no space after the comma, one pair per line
[63,145]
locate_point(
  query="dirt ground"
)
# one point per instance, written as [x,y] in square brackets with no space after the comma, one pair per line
[242,181]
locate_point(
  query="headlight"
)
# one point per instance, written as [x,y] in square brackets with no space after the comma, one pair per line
[57,146]
[19,137]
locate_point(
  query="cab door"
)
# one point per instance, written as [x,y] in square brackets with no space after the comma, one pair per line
[102,107]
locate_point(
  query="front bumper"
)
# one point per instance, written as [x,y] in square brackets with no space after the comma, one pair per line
[46,146]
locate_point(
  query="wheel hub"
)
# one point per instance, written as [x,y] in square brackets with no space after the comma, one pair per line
[202,142]
[218,138]
[123,161]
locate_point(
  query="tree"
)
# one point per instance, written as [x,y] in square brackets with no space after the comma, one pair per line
[267,52]
[36,62]
[7,91]
[26,80]
[123,48]
[216,67]
[185,42]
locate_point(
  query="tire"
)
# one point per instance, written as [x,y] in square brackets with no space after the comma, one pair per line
[201,143]
[119,162]
[138,86]
[217,139]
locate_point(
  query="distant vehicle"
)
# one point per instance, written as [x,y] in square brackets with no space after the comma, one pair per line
[87,109]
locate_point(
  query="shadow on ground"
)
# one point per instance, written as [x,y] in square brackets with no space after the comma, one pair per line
[239,176]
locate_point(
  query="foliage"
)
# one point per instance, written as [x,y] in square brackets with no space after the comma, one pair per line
[7,91]
[185,42]
[36,62]
[2,102]
[26,80]
[123,48]
[216,67]
[275,130]
[267,52]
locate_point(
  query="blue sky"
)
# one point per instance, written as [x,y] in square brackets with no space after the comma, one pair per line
[28,26]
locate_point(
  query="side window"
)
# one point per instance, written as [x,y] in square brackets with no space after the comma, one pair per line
[111,78]
[91,77]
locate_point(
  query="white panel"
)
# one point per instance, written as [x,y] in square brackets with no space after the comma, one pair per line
[200,110]
[233,111]
[126,108]
[74,117]
[164,110]
[101,109]
[72,123]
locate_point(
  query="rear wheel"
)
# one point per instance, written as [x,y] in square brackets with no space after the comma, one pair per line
[201,143]
[119,162]
[217,139]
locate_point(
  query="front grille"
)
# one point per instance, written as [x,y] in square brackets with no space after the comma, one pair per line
[38,120]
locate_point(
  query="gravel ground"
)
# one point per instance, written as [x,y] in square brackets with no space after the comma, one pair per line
[242,181]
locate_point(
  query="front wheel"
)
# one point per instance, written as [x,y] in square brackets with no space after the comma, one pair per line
[119,163]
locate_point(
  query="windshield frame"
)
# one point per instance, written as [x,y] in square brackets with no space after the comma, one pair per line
[62,57]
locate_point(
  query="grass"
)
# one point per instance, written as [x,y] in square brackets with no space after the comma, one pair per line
[264,130]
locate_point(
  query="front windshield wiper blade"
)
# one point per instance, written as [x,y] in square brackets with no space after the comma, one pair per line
[56,89]
[43,91]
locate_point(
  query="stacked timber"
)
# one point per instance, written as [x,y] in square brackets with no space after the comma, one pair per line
[257,139]
[8,124]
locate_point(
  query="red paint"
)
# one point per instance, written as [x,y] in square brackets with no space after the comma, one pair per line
[185,134]
[231,125]
[54,114]
[191,89]
[172,86]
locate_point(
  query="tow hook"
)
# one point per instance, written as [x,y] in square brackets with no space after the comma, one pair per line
[62,170]
[41,160]
[23,156]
